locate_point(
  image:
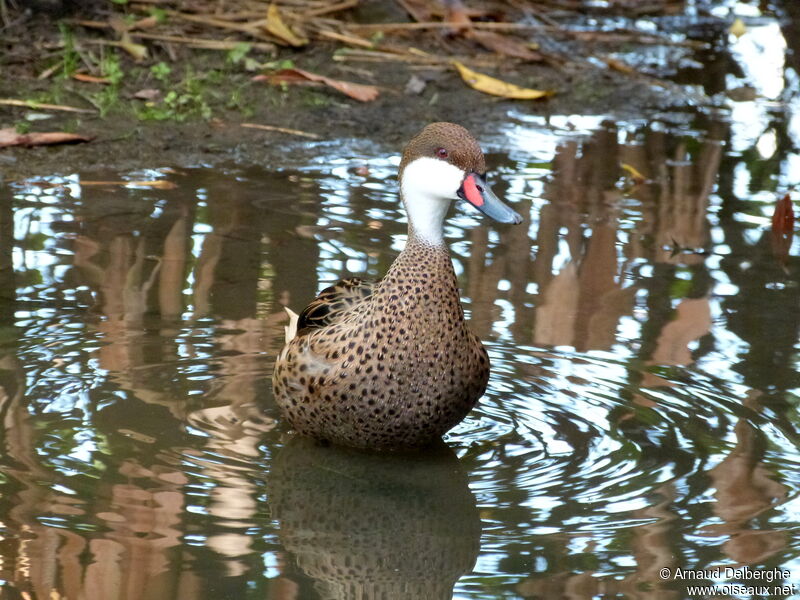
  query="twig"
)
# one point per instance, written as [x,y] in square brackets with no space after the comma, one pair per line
[200,43]
[281,130]
[412,56]
[346,39]
[250,29]
[42,106]
[203,43]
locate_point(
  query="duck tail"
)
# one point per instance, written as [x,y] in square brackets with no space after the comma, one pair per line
[290,330]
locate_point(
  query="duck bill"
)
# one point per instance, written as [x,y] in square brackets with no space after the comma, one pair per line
[476,191]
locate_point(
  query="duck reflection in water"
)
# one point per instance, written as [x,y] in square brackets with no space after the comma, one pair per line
[375,526]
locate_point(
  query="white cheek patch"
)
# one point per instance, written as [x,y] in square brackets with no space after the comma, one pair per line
[428,187]
[432,177]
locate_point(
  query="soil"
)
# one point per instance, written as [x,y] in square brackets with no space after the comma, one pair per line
[124,141]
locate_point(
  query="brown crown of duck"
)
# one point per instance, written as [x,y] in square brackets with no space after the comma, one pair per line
[392,364]
[460,148]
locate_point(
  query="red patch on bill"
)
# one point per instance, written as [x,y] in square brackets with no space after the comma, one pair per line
[471,191]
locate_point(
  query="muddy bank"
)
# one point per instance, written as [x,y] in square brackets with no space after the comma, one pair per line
[126,137]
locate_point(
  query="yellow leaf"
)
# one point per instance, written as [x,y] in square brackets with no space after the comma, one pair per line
[280,30]
[634,174]
[738,28]
[137,51]
[490,85]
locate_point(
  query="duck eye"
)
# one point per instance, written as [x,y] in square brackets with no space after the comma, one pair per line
[441,153]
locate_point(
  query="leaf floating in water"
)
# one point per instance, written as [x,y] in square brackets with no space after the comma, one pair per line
[280,30]
[633,173]
[783,217]
[738,28]
[496,87]
[358,91]
[11,137]
[782,228]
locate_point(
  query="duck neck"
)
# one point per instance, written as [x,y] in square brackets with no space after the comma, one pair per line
[426,214]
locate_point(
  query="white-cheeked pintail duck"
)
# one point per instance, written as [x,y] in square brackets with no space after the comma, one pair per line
[392,363]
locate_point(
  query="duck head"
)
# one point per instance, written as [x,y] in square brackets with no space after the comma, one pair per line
[442,163]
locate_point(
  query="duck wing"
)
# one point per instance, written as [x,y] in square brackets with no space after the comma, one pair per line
[333,302]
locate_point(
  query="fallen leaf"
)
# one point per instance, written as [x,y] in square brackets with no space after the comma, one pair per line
[280,30]
[738,28]
[783,217]
[358,91]
[634,174]
[85,77]
[782,229]
[496,87]
[456,13]
[10,137]
[137,51]
[151,94]
[503,44]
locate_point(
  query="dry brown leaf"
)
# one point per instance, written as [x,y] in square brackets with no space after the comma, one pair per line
[503,44]
[456,13]
[358,91]
[496,87]
[85,77]
[280,30]
[10,137]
